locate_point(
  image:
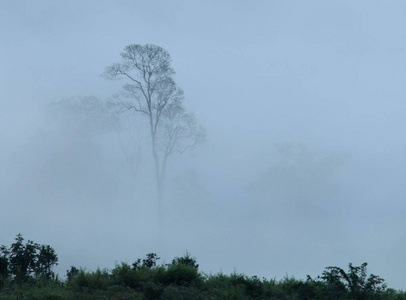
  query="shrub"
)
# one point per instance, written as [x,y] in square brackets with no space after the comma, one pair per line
[180,274]
[124,275]
[186,260]
[86,281]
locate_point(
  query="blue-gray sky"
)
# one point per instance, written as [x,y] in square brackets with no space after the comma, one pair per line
[303,102]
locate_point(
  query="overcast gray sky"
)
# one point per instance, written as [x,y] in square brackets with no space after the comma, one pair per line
[303,102]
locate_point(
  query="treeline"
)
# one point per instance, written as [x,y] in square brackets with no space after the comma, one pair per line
[26,273]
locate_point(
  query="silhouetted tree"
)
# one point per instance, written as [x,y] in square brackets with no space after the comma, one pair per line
[151,260]
[354,282]
[22,260]
[46,259]
[152,92]
[72,272]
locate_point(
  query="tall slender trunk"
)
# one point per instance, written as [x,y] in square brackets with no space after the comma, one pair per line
[160,207]
[158,178]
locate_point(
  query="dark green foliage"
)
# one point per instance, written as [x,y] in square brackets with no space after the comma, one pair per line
[137,264]
[180,292]
[254,287]
[180,274]
[152,290]
[186,260]
[125,275]
[3,266]
[22,258]
[27,261]
[3,271]
[46,259]
[25,273]
[292,288]
[234,286]
[90,281]
[72,272]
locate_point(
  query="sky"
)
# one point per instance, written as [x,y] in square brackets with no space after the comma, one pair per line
[304,163]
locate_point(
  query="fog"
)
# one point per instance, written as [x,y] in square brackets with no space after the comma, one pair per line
[304,163]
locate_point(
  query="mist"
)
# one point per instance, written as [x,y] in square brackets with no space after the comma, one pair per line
[304,162]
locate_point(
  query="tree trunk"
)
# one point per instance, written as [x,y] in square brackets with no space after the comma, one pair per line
[160,207]
[158,178]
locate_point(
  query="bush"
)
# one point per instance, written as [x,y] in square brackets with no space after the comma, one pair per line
[186,260]
[222,286]
[87,281]
[180,274]
[125,275]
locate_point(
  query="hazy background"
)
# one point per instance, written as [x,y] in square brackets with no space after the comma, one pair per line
[304,105]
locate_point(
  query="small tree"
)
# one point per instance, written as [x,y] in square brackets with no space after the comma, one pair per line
[46,259]
[153,93]
[22,260]
[150,261]
[354,282]
[72,272]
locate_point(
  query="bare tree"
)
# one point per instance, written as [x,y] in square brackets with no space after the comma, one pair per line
[151,91]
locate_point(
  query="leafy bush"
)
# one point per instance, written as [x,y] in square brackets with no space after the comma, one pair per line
[124,275]
[186,260]
[87,281]
[180,274]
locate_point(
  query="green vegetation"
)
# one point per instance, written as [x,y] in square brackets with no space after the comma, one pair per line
[26,273]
